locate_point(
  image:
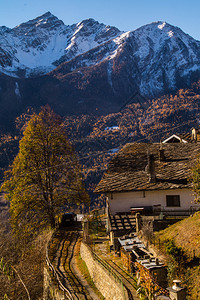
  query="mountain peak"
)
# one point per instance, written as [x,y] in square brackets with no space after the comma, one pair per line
[93,62]
[93,23]
[89,20]
[161,25]
[88,23]
[160,30]
[47,14]
[47,20]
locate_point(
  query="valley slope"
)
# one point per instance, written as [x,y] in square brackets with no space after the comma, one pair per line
[97,138]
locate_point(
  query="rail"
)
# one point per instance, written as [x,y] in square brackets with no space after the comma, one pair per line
[109,226]
[179,212]
[110,269]
[57,276]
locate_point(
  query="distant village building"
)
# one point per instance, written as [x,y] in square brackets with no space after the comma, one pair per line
[112,128]
[151,178]
[175,139]
[192,137]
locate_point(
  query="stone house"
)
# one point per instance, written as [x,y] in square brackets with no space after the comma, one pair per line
[151,178]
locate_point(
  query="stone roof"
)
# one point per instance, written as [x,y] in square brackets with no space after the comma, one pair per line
[127,170]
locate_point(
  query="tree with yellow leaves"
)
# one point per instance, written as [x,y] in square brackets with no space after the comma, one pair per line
[44,176]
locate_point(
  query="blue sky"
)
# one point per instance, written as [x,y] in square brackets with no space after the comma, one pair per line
[124,14]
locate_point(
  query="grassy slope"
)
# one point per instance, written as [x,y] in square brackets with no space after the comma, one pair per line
[186,234]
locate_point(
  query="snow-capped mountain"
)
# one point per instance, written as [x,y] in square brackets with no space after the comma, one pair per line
[151,59]
[37,46]
[90,67]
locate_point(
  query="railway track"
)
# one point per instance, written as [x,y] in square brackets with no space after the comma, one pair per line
[63,260]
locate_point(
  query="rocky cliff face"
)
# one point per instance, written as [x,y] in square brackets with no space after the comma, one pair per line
[89,67]
[37,46]
[153,59]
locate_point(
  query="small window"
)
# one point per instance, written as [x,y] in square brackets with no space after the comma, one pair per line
[173,200]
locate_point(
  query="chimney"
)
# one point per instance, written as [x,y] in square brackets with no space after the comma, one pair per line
[194,134]
[161,154]
[150,168]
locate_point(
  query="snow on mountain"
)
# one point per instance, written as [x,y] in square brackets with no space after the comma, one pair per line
[88,35]
[37,46]
[152,59]
[163,53]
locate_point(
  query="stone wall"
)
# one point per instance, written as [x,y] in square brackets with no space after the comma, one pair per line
[105,282]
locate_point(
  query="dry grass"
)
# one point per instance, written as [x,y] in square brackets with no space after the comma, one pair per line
[193,283]
[186,234]
[28,261]
[84,270]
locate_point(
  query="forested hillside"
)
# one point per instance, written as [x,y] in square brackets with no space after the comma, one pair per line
[97,138]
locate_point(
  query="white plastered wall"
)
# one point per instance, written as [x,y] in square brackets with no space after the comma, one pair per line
[122,202]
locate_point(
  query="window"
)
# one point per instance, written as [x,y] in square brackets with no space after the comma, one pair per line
[173,200]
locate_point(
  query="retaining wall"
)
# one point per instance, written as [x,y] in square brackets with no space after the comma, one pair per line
[105,282]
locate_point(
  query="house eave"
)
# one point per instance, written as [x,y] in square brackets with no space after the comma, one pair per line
[189,187]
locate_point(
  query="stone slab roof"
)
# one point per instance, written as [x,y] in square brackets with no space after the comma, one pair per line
[127,170]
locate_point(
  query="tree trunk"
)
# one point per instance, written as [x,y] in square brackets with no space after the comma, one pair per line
[52,220]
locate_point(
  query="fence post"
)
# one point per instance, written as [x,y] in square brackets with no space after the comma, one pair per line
[138,222]
[112,241]
[85,231]
[177,292]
